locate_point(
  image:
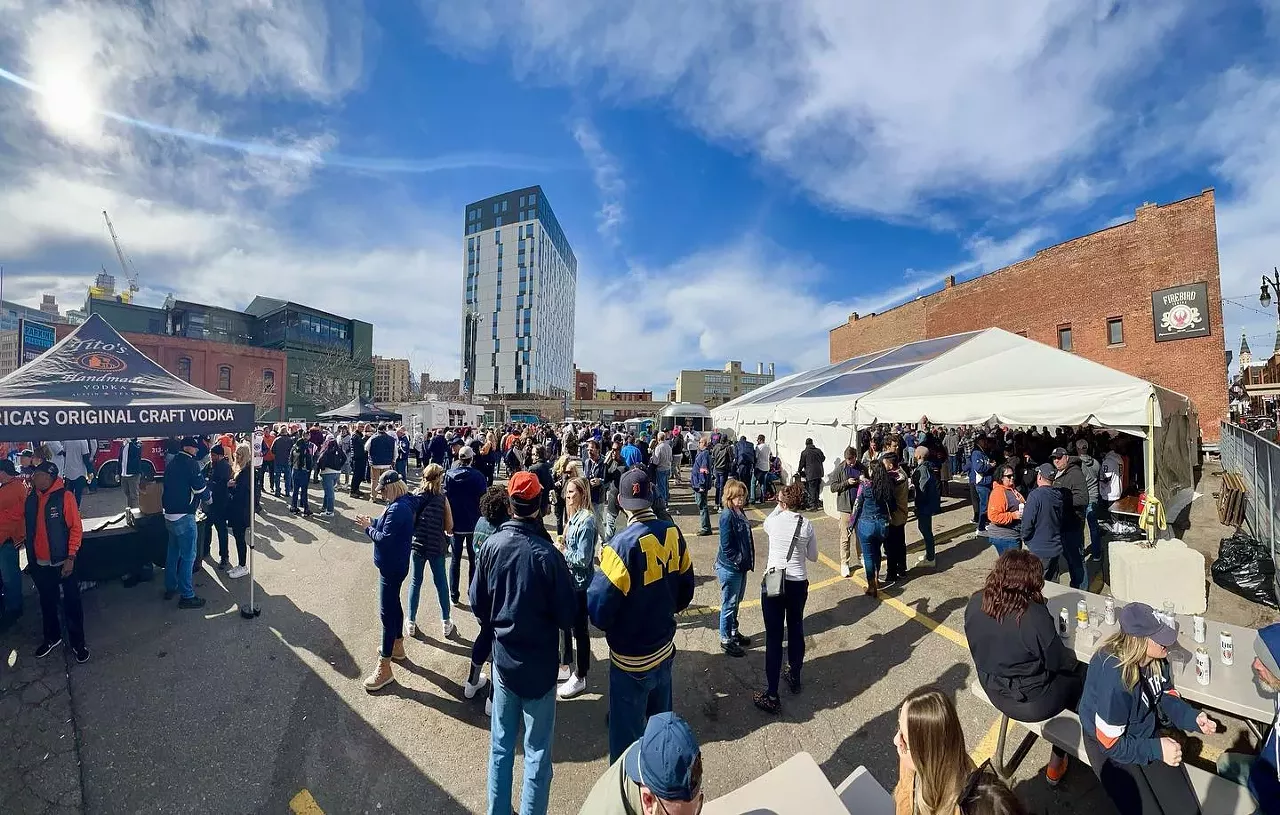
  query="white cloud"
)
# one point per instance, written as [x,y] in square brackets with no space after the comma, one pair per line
[870,106]
[607,175]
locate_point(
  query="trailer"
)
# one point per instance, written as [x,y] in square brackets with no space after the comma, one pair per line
[423,416]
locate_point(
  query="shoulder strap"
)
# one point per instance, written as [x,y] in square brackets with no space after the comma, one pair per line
[795,538]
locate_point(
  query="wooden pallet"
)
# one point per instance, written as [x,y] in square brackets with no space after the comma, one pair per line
[1231,500]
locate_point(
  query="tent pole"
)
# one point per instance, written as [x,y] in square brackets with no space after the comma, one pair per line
[251,611]
[1150,463]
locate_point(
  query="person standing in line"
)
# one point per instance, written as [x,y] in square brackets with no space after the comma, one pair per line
[344,444]
[433,525]
[238,508]
[438,447]
[566,467]
[744,462]
[812,469]
[872,509]
[381,447]
[1004,511]
[1092,470]
[79,464]
[463,486]
[268,474]
[980,469]
[645,579]
[13,498]
[1111,481]
[933,765]
[330,464]
[614,467]
[282,448]
[495,510]
[662,461]
[764,455]
[721,465]
[579,550]
[219,502]
[130,471]
[700,483]
[844,482]
[660,774]
[301,460]
[359,460]
[951,444]
[1042,524]
[523,593]
[792,543]
[895,542]
[593,472]
[928,503]
[734,559]
[184,484]
[392,536]
[402,452]
[1069,478]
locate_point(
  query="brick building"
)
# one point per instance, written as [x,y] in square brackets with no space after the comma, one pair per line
[242,373]
[623,396]
[1094,296]
[390,380]
[584,384]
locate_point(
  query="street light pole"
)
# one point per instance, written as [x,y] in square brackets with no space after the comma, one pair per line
[1272,282]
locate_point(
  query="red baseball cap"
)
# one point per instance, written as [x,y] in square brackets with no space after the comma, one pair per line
[524,486]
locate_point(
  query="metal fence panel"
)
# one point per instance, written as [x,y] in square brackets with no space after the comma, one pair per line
[1258,463]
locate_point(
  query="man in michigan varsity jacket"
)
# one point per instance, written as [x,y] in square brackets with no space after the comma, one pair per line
[645,579]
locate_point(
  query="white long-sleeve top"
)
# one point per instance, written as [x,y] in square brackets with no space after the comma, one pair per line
[780,526]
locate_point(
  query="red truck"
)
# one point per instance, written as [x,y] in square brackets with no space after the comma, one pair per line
[106,462]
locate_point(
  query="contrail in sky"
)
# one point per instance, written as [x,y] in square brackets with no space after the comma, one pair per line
[448,161]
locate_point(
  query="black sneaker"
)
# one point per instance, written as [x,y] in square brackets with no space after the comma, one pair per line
[82,654]
[223,565]
[169,595]
[745,642]
[793,681]
[702,533]
[46,647]
[732,649]
[191,602]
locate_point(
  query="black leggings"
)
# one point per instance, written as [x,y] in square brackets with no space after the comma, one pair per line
[1144,789]
[242,548]
[1062,693]
[788,608]
[582,634]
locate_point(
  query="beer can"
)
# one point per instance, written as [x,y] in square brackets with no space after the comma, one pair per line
[1198,627]
[1064,622]
[1082,614]
[1202,666]
[1227,647]
[1109,610]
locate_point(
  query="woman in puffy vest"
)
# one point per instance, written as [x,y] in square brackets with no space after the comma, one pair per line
[433,523]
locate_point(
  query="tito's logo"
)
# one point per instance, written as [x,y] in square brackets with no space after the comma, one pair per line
[99,362]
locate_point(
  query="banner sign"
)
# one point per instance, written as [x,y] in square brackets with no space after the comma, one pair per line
[1180,312]
[34,339]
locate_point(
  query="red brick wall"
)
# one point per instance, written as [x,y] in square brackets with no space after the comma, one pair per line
[1083,283]
[247,364]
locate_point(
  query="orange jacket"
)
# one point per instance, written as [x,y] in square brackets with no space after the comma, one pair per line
[228,444]
[13,494]
[997,503]
[268,439]
[16,513]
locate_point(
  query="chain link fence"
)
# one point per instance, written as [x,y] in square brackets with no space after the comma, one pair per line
[1257,461]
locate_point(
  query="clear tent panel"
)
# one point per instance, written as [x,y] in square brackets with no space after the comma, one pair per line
[852,384]
[922,351]
[783,394]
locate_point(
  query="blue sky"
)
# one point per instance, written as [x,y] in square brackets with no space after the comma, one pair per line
[735,177]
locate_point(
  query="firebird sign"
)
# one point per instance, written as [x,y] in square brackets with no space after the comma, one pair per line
[1181,312]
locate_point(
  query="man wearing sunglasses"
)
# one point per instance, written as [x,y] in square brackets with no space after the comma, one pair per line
[661,774]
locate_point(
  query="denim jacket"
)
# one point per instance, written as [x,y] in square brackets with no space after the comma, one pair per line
[737,550]
[580,548]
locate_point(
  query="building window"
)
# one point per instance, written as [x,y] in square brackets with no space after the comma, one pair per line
[184,369]
[224,377]
[504,206]
[1115,331]
[533,198]
[268,381]
[295,383]
[496,210]
[1064,337]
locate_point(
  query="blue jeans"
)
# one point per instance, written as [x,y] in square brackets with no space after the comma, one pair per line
[872,535]
[438,574]
[984,495]
[390,612]
[721,478]
[181,556]
[283,474]
[925,523]
[539,717]
[329,481]
[633,698]
[77,485]
[1003,545]
[758,484]
[733,584]
[11,577]
[402,467]
[704,514]
[662,486]
[1095,531]
[298,493]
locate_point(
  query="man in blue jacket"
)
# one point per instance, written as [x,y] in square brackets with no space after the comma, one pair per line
[1259,772]
[382,453]
[523,593]
[463,486]
[700,483]
[980,468]
[438,448]
[1042,522]
[645,579]
[184,484]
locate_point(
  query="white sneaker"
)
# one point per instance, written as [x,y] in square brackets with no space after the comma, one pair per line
[565,673]
[469,690]
[926,561]
[448,627]
[410,628]
[574,686]
[488,707]
[237,571]
[844,570]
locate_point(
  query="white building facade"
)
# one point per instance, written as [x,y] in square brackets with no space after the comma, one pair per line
[519,296]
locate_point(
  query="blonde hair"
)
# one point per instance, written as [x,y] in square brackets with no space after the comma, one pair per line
[243,455]
[733,488]
[1131,651]
[584,490]
[431,480]
[935,738]
[394,490]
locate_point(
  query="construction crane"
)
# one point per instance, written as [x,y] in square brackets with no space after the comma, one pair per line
[126,265]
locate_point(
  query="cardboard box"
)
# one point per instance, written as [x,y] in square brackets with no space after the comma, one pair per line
[149,494]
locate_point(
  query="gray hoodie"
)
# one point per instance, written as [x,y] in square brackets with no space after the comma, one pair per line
[1089,465]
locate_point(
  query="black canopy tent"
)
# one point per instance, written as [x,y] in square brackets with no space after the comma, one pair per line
[359,411]
[95,385]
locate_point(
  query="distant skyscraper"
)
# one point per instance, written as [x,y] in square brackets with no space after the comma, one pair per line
[521,281]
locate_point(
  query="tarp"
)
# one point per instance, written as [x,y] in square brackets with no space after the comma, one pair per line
[94,384]
[358,411]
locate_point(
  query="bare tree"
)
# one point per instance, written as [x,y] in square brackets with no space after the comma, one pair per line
[265,396]
[329,378]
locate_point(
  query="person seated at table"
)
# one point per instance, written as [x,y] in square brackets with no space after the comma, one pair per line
[933,765]
[1258,772]
[1023,666]
[659,773]
[1004,511]
[1127,692]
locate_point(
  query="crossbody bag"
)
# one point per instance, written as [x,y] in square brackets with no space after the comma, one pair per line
[773,576]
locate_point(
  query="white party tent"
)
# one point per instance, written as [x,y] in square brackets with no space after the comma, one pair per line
[980,377]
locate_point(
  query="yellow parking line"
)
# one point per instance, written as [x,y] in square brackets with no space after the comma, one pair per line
[304,804]
[695,611]
[987,746]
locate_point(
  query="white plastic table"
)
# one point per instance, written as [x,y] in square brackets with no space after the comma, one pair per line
[797,786]
[1231,688]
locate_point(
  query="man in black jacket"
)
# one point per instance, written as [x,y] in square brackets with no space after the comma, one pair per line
[812,471]
[281,448]
[359,460]
[219,480]
[722,465]
[1075,503]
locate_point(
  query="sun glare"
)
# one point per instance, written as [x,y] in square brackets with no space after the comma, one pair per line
[67,104]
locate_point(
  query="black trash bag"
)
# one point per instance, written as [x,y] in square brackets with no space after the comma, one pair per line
[1244,567]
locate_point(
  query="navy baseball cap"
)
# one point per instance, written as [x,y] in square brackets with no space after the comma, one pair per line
[1058,452]
[47,467]
[7,466]
[665,759]
[189,441]
[1140,620]
[633,490]
[1047,471]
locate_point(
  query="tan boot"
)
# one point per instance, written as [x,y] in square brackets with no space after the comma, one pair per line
[381,676]
[873,586]
[397,650]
